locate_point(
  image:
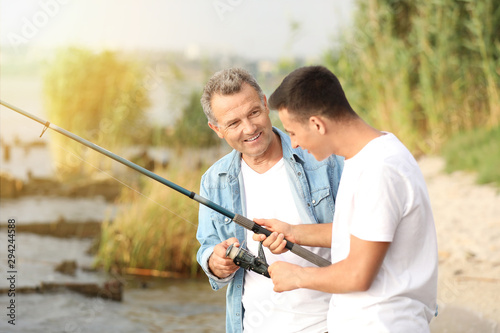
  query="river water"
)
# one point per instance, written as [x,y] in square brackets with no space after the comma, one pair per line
[153,305]
[149,305]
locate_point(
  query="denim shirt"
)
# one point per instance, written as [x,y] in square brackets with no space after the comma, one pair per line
[314,189]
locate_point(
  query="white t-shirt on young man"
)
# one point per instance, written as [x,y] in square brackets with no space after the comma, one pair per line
[300,310]
[382,197]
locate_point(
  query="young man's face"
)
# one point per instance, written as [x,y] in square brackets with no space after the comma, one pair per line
[243,121]
[304,134]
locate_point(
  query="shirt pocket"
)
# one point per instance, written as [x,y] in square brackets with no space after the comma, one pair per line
[224,226]
[323,205]
[219,220]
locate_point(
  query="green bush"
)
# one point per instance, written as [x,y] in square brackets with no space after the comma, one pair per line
[476,150]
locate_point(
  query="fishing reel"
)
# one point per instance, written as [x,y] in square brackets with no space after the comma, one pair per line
[247,260]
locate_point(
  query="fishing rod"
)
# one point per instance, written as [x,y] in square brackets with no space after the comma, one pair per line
[241,220]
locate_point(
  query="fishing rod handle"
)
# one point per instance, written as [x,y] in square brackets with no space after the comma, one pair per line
[294,248]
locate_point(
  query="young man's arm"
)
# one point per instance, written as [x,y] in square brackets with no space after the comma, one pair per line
[355,273]
[318,235]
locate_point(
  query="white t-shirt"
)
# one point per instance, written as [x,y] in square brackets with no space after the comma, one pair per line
[268,195]
[383,197]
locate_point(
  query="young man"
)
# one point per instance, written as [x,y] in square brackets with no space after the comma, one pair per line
[383,275]
[262,177]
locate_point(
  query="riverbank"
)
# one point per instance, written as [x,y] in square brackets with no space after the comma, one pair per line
[467,218]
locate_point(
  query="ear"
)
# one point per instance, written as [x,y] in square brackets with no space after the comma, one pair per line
[216,129]
[317,123]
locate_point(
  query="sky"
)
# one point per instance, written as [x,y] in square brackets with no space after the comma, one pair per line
[253,29]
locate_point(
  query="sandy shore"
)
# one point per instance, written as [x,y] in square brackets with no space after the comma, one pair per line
[467,219]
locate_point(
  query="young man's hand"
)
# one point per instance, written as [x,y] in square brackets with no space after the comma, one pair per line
[276,241]
[285,276]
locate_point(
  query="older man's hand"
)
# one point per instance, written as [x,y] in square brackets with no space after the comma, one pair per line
[220,265]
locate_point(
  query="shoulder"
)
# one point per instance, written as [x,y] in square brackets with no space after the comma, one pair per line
[388,163]
[225,165]
[397,158]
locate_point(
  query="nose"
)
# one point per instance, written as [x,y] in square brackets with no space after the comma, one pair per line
[294,142]
[248,127]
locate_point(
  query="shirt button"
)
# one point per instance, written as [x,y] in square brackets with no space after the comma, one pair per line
[226,219]
[314,201]
[299,174]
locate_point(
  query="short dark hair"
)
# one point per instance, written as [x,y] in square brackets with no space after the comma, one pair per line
[309,91]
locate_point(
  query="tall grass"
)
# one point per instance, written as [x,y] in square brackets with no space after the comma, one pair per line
[424,70]
[99,96]
[156,229]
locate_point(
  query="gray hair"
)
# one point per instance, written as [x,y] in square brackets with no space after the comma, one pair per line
[226,82]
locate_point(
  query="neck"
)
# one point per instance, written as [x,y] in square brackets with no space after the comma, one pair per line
[355,135]
[268,159]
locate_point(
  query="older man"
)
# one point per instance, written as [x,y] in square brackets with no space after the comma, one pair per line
[263,177]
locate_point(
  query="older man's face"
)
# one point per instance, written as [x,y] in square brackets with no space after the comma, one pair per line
[243,121]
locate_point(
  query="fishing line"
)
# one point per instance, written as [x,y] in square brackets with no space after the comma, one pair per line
[126,185]
[47,124]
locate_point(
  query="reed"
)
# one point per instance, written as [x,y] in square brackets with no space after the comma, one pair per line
[155,229]
[424,70]
[98,96]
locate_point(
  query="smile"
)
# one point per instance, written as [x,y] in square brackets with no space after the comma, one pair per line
[254,138]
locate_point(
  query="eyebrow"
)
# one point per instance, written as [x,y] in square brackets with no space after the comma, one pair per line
[255,108]
[229,122]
